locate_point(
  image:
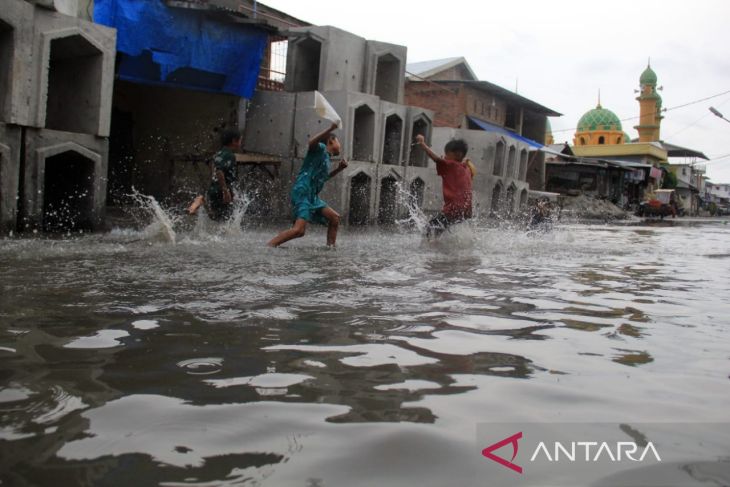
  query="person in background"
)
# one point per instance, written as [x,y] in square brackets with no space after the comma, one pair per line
[225,175]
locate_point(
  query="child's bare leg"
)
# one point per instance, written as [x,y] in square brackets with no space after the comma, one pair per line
[300,226]
[197,203]
[333,219]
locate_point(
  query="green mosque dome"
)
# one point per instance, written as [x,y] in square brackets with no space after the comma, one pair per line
[648,77]
[599,119]
[627,138]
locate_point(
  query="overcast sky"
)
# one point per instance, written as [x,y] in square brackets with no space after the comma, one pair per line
[561,53]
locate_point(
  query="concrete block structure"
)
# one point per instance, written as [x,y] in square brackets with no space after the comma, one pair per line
[364,82]
[64,181]
[73,82]
[10,144]
[16,68]
[56,80]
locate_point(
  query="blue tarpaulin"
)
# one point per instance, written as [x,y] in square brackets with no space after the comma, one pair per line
[500,130]
[182,48]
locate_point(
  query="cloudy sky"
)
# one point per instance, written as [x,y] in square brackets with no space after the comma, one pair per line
[561,53]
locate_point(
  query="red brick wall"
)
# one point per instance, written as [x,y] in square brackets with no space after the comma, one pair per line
[447,105]
[452,106]
[484,109]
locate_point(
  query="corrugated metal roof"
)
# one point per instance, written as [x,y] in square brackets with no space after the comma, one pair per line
[424,69]
[679,151]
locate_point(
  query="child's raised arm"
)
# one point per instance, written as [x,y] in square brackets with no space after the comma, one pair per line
[420,140]
[340,167]
[321,136]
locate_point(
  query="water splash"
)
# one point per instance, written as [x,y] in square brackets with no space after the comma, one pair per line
[162,225]
[206,228]
[414,215]
[234,225]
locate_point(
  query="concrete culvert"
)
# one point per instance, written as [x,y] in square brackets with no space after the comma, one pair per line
[68,197]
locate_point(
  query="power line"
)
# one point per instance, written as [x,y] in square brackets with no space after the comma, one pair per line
[664,110]
[692,124]
[717,159]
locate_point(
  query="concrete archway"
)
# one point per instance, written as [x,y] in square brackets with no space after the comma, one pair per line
[496,197]
[387,77]
[523,198]
[509,199]
[417,156]
[77,76]
[511,157]
[359,207]
[523,166]
[363,134]
[392,140]
[304,64]
[416,191]
[498,167]
[68,196]
[387,207]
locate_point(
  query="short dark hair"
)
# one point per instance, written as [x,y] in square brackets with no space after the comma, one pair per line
[457,145]
[329,137]
[229,135]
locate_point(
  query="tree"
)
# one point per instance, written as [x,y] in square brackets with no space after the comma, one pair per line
[669,181]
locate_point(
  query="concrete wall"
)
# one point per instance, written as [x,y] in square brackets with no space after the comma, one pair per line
[170,132]
[64,180]
[10,144]
[16,66]
[66,7]
[270,123]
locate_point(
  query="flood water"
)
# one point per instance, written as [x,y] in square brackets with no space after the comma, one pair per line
[126,359]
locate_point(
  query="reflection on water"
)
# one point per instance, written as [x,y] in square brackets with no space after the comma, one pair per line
[130,360]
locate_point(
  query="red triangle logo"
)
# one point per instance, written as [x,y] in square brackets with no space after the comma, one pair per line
[487,452]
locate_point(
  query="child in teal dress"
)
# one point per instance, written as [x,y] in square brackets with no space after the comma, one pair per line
[306,204]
